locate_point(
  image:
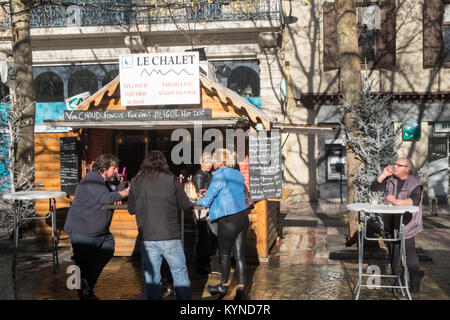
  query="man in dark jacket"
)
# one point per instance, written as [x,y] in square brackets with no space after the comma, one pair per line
[88,224]
[402,189]
[156,197]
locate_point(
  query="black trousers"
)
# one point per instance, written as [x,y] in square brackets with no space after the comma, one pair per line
[412,261]
[91,254]
[207,250]
[203,244]
[229,234]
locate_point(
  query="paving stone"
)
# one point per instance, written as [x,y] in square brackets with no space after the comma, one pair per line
[298,268]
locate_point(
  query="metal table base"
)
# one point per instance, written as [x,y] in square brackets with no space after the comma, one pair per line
[18,198]
[362,235]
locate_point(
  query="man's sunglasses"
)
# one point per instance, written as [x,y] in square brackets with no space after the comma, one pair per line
[401,165]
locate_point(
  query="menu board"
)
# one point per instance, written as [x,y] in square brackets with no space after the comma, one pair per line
[266,174]
[69,164]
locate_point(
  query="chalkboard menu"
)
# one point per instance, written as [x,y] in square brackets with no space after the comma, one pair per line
[266,174]
[69,164]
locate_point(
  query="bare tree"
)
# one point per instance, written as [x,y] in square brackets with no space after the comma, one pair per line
[350,79]
[20,116]
[24,96]
[20,177]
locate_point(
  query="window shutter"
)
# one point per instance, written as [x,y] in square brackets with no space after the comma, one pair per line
[432,33]
[330,46]
[386,35]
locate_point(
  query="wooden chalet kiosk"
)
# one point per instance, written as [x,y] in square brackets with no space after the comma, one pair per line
[62,159]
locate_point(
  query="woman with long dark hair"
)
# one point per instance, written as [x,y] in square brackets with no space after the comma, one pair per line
[156,197]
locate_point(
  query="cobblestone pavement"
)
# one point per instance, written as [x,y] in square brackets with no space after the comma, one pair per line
[299,267]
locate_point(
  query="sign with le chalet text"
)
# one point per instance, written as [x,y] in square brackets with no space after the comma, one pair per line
[138,115]
[159,79]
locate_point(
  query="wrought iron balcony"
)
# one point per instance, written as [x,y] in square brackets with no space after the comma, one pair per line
[126,12]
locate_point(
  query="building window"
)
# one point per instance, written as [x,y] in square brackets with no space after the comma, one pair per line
[376,34]
[110,76]
[245,81]
[368,24]
[241,76]
[446,33]
[49,88]
[82,81]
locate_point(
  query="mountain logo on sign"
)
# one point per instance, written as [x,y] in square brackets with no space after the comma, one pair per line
[145,72]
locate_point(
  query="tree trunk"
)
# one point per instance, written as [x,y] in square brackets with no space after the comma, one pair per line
[350,82]
[24,95]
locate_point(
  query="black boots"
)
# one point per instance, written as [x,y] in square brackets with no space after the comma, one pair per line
[415,284]
[218,289]
[222,290]
[86,293]
[239,295]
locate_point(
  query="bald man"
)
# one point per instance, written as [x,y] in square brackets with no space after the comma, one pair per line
[402,189]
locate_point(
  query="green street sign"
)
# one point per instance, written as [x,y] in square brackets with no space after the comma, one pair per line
[411,131]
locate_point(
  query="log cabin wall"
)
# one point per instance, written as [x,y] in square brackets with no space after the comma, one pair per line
[257,233]
[273,223]
[124,229]
[47,177]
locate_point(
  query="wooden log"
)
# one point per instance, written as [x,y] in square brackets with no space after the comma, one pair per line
[46,157]
[48,166]
[47,174]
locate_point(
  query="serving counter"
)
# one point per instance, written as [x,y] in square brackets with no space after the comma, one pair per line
[265,228]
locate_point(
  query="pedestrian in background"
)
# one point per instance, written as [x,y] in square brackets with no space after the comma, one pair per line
[156,197]
[207,252]
[226,199]
[88,224]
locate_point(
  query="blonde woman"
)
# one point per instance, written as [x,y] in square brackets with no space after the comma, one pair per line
[226,199]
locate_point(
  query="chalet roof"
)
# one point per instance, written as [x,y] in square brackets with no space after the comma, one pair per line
[224,94]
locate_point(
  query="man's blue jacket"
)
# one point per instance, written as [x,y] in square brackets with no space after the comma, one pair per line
[225,195]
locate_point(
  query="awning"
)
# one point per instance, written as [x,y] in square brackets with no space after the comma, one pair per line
[304,128]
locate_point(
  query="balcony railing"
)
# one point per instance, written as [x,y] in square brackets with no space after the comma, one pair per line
[126,12]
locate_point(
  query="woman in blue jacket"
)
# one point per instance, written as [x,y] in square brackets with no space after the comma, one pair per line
[228,207]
